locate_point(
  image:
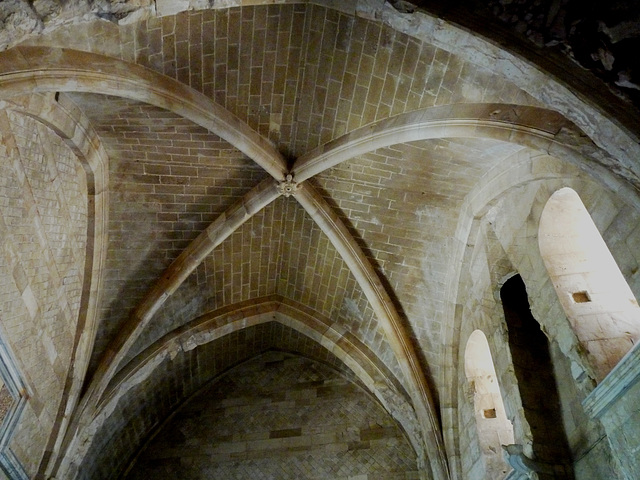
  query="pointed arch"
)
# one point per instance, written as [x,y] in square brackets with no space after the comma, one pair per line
[46,69]
[159,365]
[537,128]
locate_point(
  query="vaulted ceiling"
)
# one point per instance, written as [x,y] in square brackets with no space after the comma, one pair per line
[313,166]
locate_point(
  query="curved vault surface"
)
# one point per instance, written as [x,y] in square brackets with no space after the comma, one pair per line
[196,221]
[254,412]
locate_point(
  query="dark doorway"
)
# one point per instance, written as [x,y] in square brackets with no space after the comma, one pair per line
[534,372]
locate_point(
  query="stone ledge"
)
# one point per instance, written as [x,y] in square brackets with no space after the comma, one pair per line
[623,376]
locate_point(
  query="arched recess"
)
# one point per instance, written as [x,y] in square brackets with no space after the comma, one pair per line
[59,114]
[158,380]
[278,415]
[517,170]
[594,294]
[493,426]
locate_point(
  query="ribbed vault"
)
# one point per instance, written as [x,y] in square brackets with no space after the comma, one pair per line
[282,173]
[189,357]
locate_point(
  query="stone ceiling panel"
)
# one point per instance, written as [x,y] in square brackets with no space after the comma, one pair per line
[245,266]
[298,74]
[169,179]
[403,204]
[314,274]
[281,251]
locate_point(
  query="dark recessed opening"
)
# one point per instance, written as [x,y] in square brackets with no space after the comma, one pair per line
[489,413]
[533,369]
[581,297]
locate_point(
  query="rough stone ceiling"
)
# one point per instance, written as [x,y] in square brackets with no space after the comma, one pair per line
[196,223]
[281,89]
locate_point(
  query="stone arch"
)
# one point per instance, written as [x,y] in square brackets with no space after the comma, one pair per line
[493,426]
[60,115]
[595,296]
[176,353]
[471,229]
[62,70]
[537,128]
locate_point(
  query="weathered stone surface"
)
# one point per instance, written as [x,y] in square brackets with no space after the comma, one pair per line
[414,159]
[601,36]
[20,20]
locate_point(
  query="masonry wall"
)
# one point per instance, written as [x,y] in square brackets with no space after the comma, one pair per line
[593,456]
[43,235]
[279,416]
[140,408]
[622,423]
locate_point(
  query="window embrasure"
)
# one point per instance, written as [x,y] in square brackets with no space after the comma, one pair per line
[493,426]
[600,306]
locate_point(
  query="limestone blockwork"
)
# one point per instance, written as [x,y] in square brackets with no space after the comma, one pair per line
[279,416]
[187,187]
